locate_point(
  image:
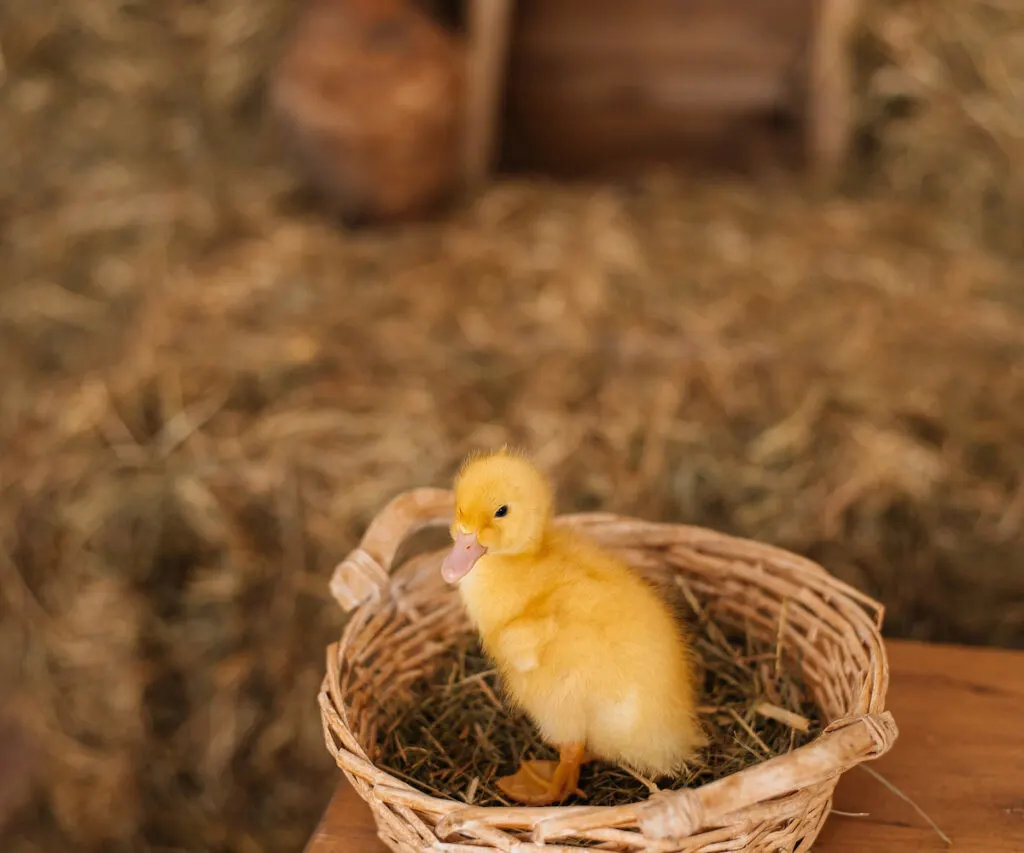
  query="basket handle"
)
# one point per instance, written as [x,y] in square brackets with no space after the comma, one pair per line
[365,572]
[845,743]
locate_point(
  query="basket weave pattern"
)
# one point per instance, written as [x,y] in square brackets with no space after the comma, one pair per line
[401,622]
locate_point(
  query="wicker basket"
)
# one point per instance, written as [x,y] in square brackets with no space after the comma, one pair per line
[400,623]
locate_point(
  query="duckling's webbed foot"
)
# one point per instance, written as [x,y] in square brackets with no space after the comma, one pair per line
[544,783]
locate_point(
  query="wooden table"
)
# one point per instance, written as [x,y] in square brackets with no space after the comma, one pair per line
[960,757]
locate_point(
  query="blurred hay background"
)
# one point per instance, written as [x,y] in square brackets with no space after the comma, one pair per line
[208,390]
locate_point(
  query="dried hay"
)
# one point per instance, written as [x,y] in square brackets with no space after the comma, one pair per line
[208,390]
[941,102]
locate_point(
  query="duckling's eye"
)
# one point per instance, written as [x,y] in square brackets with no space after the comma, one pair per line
[501,511]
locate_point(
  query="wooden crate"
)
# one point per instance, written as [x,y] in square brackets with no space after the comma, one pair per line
[583,87]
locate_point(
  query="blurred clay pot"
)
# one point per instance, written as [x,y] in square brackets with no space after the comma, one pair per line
[370,93]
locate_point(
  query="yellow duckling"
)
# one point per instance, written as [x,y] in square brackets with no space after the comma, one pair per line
[584,645]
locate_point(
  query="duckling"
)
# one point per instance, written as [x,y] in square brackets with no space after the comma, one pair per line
[590,651]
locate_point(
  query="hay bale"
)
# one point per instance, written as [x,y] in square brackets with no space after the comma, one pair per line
[941,111]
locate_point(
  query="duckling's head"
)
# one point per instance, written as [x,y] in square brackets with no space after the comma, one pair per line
[503,505]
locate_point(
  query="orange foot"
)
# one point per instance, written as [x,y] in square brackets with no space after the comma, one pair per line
[544,783]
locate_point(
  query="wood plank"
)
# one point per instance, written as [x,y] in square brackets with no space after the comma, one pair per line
[490,26]
[960,756]
[830,108]
[346,827]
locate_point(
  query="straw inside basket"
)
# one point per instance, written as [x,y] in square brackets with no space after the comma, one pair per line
[452,735]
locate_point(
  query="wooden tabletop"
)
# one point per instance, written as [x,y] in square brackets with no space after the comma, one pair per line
[959,756]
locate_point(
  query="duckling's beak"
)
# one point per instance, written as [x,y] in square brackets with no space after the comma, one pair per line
[463,556]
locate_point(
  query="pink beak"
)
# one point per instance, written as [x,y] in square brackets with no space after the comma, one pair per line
[463,556]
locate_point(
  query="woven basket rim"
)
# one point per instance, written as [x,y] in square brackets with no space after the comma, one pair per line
[362,583]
